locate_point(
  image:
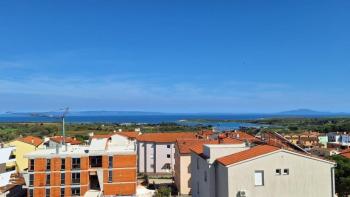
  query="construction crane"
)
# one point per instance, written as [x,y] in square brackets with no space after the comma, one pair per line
[59,116]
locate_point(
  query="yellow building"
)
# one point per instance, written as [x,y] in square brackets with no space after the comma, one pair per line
[23,146]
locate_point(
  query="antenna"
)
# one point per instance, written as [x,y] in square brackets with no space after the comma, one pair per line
[46,115]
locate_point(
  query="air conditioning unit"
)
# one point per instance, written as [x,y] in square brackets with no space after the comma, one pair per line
[242,193]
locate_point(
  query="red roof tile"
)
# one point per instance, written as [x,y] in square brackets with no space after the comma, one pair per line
[35,141]
[165,137]
[247,154]
[345,153]
[129,134]
[184,145]
[70,140]
[198,148]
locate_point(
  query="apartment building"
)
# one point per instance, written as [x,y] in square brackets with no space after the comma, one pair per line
[23,146]
[107,166]
[156,151]
[263,171]
[182,169]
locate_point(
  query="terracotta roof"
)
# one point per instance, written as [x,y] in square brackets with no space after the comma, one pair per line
[165,137]
[35,141]
[184,145]
[129,134]
[247,154]
[243,136]
[345,153]
[70,140]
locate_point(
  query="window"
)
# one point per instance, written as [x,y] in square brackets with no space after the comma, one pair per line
[63,164]
[110,160]
[31,179]
[63,178]
[205,176]
[286,171]
[31,165]
[168,156]
[278,172]
[48,164]
[259,178]
[75,178]
[31,193]
[76,163]
[75,191]
[152,165]
[110,176]
[168,146]
[47,193]
[47,179]
[62,192]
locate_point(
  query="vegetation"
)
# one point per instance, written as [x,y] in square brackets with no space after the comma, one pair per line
[10,131]
[286,125]
[342,175]
[163,191]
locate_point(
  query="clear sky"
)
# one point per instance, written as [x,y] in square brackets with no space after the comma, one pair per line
[175,56]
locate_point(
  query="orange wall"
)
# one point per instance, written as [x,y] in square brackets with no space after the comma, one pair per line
[120,189]
[124,161]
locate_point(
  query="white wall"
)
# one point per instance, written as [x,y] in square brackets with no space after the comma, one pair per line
[307,177]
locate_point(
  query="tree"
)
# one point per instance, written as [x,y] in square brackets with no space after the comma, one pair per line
[342,175]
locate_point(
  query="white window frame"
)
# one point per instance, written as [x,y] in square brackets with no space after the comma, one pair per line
[259,178]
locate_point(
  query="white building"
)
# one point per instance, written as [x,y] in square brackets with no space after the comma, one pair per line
[156,151]
[260,171]
[6,159]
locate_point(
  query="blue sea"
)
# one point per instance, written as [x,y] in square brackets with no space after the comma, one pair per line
[148,119]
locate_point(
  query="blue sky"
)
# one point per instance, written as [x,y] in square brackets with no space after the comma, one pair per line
[175,56]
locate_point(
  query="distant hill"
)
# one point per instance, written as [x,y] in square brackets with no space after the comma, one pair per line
[309,112]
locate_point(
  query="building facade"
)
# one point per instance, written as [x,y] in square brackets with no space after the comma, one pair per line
[156,151]
[23,146]
[264,171]
[105,167]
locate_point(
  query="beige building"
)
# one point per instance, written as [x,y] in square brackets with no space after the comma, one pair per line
[260,171]
[182,169]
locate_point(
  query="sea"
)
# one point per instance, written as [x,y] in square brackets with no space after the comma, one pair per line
[191,120]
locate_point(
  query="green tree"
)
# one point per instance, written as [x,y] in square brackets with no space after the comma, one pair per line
[163,191]
[342,175]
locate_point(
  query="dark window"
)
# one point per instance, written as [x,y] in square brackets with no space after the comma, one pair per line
[47,179]
[31,179]
[110,159]
[197,163]
[75,178]
[62,192]
[278,171]
[286,171]
[168,155]
[47,193]
[63,178]
[205,176]
[75,191]
[31,193]
[63,164]
[110,176]
[31,165]
[76,163]
[168,146]
[48,164]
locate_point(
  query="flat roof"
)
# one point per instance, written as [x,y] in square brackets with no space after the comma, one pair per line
[80,151]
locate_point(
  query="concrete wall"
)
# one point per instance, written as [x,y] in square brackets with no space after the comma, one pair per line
[200,186]
[152,157]
[183,173]
[307,177]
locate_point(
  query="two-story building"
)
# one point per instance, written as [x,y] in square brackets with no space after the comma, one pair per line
[263,170]
[107,166]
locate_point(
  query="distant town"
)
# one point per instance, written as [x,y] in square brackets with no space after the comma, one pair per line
[175,160]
